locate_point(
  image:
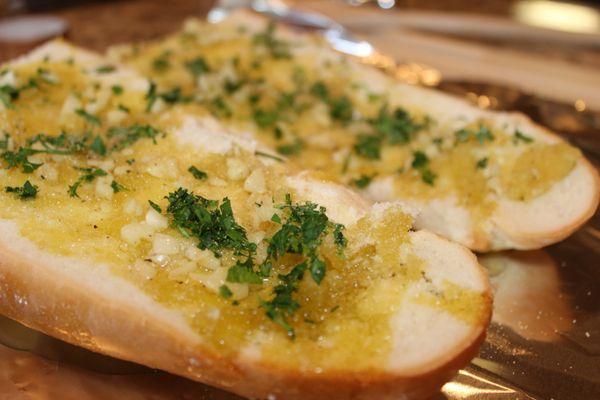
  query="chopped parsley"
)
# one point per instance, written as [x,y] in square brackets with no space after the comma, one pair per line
[393,128]
[363,181]
[428,176]
[208,221]
[396,127]
[421,163]
[117,90]
[197,66]
[276,48]
[91,119]
[290,149]
[196,173]
[19,158]
[98,146]
[520,136]
[233,86]
[225,292]
[27,191]
[105,69]
[122,137]
[8,94]
[340,108]
[482,134]
[171,96]
[63,144]
[161,63]
[174,96]
[116,186]
[66,144]
[89,174]
[319,90]
[155,206]
[368,146]
[481,164]
[243,272]
[302,232]
[420,160]
[219,107]
[265,119]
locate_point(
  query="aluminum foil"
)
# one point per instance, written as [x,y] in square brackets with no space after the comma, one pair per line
[543,343]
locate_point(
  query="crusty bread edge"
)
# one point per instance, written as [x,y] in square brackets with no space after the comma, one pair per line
[60,305]
[73,307]
[531,241]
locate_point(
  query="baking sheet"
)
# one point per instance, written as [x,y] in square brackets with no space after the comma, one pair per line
[543,343]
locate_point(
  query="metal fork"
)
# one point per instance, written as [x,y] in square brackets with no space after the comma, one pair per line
[337,36]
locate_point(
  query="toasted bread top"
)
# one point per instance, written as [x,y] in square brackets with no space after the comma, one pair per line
[389,140]
[219,240]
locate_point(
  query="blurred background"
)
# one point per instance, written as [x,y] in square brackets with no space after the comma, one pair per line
[541,57]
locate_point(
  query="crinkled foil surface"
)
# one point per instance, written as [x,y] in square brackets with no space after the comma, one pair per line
[544,341]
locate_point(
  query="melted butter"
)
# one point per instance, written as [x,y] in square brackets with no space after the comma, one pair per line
[466,305]
[44,108]
[534,171]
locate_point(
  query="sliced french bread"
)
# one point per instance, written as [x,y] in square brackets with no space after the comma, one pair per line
[164,239]
[488,180]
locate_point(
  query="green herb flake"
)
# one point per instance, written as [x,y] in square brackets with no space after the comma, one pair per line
[151,96]
[265,119]
[91,119]
[363,181]
[420,160]
[243,273]
[319,90]
[161,63]
[225,292]
[341,109]
[428,177]
[290,149]
[8,94]
[27,191]
[121,107]
[213,224]
[155,206]
[521,137]
[105,69]
[122,137]
[18,158]
[116,187]
[89,174]
[220,108]
[481,164]
[368,146]
[278,49]
[196,173]
[482,134]
[197,66]
[98,146]
[117,90]
[396,127]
